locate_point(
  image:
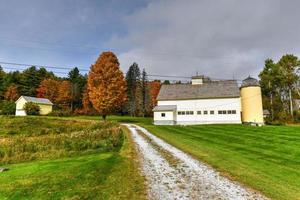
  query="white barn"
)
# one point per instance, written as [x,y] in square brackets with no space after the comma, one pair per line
[201,102]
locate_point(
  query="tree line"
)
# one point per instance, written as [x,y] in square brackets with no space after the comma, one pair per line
[90,94]
[280,88]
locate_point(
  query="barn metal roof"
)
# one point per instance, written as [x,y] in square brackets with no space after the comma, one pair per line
[165,108]
[208,90]
[37,100]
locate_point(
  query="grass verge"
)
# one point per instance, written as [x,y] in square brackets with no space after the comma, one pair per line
[92,175]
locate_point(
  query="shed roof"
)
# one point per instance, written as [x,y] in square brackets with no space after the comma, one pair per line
[165,108]
[37,100]
[209,90]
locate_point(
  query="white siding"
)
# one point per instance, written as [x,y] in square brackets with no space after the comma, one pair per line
[20,113]
[19,107]
[206,105]
[169,117]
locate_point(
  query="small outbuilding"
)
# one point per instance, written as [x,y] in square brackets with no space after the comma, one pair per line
[44,104]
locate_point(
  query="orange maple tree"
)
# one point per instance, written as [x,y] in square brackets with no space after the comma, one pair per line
[106,84]
[48,89]
[154,90]
[64,95]
[11,93]
[56,91]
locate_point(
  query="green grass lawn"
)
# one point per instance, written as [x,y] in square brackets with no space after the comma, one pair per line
[90,172]
[264,158]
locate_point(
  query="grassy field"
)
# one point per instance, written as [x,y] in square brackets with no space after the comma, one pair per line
[67,159]
[266,158]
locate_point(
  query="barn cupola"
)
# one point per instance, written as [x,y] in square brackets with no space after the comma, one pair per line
[199,80]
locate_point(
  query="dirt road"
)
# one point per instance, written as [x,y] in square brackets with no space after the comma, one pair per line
[172,174]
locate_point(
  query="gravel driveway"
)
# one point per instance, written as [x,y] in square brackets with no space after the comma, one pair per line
[172,174]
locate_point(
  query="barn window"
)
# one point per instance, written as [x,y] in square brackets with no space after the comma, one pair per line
[212,112]
[198,112]
[233,111]
[163,114]
[220,112]
[229,112]
[189,112]
[181,113]
[205,112]
[224,112]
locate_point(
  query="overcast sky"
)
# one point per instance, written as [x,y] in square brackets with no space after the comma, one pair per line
[218,38]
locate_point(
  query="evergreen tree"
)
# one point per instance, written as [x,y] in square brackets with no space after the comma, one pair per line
[133,78]
[2,77]
[78,83]
[166,82]
[31,79]
[146,102]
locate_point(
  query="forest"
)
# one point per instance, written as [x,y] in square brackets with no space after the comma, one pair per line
[70,95]
[107,90]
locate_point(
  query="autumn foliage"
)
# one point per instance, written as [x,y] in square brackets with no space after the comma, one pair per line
[154,90]
[56,91]
[106,84]
[12,93]
[48,89]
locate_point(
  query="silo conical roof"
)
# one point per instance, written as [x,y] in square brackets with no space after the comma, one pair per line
[248,82]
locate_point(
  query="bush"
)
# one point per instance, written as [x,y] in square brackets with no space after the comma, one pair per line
[297,116]
[32,108]
[61,113]
[7,108]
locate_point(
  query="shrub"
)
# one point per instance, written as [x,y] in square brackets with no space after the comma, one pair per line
[32,108]
[61,113]
[7,108]
[297,116]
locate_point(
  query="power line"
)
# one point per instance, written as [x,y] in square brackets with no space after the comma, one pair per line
[86,70]
[39,66]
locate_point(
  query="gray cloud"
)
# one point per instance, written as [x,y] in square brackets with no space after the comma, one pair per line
[216,38]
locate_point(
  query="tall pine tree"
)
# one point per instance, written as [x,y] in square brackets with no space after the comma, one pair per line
[133,77]
[2,76]
[146,102]
[78,83]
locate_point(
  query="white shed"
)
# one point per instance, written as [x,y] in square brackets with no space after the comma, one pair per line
[44,104]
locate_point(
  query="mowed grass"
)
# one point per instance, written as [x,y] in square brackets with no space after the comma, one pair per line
[265,158]
[96,168]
